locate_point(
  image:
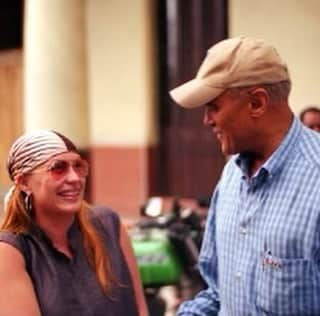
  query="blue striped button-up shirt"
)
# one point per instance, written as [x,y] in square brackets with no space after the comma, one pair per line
[261,250]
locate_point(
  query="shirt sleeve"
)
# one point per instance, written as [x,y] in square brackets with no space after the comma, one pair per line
[203,304]
[206,302]
[12,239]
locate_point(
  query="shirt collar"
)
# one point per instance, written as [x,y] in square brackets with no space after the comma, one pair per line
[276,161]
[38,232]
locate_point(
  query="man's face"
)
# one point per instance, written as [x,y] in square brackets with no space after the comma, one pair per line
[312,120]
[229,118]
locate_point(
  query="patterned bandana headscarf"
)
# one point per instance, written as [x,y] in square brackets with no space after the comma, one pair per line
[32,149]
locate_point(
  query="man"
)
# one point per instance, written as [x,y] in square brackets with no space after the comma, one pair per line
[261,250]
[310,117]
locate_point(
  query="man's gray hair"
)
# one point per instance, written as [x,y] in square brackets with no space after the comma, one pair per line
[278,91]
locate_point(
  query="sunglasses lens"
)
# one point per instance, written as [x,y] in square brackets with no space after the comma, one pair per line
[60,168]
[81,168]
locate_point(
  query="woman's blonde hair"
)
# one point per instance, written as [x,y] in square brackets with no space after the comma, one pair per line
[17,219]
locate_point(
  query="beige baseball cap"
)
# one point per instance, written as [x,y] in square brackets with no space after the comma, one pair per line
[235,62]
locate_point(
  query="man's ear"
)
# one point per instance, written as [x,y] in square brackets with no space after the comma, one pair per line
[22,183]
[259,100]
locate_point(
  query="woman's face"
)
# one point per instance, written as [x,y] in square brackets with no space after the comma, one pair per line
[58,185]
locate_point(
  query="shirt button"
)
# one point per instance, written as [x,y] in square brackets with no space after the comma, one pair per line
[238,274]
[243,230]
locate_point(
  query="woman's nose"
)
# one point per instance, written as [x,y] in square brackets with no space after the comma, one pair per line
[72,174]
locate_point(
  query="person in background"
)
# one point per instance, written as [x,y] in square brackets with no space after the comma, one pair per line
[310,117]
[261,250]
[58,255]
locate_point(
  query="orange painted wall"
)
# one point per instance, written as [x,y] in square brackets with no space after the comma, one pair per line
[120,177]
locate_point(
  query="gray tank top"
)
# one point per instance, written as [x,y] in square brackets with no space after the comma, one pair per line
[69,287]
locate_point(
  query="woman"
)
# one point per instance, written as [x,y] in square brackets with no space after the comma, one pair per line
[57,255]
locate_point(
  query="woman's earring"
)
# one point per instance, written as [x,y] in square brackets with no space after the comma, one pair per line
[28,203]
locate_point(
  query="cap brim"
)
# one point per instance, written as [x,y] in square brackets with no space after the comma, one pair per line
[194,93]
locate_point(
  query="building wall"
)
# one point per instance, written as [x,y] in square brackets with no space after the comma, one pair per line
[89,71]
[10,109]
[293,26]
[121,76]
[121,72]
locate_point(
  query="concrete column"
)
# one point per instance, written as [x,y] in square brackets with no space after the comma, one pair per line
[55,89]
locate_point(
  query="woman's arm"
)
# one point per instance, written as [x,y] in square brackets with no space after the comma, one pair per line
[134,272]
[17,296]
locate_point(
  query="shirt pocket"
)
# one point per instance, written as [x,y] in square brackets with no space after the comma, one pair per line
[290,288]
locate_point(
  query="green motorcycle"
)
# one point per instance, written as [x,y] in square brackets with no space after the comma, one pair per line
[166,245]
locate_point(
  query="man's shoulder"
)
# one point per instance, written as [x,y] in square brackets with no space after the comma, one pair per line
[231,172]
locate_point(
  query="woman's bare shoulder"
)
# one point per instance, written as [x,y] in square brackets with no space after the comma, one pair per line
[17,296]
[10,257]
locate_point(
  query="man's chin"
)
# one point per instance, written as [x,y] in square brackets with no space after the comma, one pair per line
[226,152]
